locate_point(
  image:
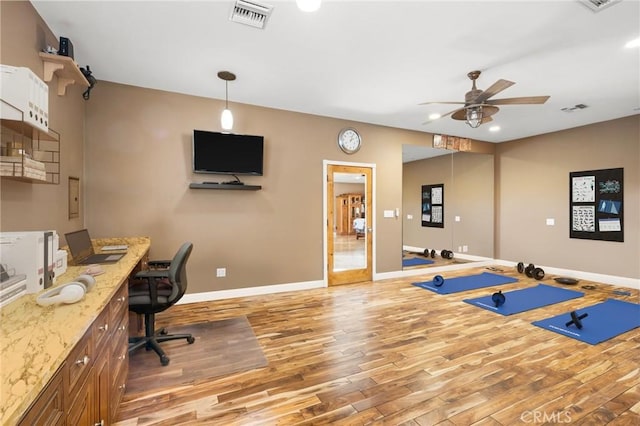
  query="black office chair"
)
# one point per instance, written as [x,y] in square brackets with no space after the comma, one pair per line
[154,291]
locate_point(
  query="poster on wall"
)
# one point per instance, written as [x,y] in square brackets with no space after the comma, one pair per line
[433,205]
[597,205]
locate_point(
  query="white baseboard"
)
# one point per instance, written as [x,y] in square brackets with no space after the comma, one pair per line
[482,261]
[249,291]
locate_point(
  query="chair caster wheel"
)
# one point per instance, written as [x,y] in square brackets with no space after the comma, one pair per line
[190,340]
[164,360]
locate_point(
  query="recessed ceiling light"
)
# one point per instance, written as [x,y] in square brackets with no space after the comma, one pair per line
[434,116]
[494,128]
[633,43]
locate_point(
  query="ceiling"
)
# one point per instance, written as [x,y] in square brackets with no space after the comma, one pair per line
[372,61]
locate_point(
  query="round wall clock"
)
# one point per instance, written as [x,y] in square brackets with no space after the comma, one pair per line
[349,140]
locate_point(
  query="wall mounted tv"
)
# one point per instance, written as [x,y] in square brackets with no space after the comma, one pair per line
[227,153]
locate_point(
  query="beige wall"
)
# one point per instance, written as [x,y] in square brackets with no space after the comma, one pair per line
[533,185]
[26,206]
[138,152]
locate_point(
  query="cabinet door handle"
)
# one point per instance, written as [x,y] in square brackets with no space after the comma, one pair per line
[104,327]
[83,361]
[121,299]
[101,423]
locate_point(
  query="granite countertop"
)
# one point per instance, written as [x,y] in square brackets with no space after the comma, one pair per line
[35,340]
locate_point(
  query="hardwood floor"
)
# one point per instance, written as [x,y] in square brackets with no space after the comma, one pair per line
[392,353]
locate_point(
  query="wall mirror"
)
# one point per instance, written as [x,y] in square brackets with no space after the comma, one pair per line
[349,211]
[468,204]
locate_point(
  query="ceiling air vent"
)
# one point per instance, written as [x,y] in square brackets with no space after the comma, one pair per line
[250,13]
[598,5]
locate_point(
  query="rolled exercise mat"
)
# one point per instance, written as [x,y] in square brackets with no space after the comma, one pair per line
[604,321]
[414,261]
[526,299]
[470,282]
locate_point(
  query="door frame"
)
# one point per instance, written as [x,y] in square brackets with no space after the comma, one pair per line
[325,215]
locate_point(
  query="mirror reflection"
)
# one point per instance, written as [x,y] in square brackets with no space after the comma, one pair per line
[349,222]
[468,181]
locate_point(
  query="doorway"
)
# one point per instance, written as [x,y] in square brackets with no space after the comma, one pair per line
[349,223]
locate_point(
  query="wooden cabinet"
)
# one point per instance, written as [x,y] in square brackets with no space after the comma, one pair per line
[48,409]
[348,207]
[88,387]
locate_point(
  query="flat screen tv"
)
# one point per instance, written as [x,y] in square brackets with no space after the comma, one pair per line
[227,153]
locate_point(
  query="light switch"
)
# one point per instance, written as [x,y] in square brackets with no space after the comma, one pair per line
[409,216]
[389,213]
[457,218]
[551,221]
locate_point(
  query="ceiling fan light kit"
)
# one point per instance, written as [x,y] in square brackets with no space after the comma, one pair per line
[478,108]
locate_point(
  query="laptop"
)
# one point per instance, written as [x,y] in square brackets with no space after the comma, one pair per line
[82,252]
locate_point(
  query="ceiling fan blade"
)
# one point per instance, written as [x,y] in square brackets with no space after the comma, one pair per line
[486,120]
[442,116]
[494,89]
[446,103]
[519,101]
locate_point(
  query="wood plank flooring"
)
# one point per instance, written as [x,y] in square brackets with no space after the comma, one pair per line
[391,353]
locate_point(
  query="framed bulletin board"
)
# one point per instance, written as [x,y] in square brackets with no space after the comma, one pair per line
[597,205]
[433,205]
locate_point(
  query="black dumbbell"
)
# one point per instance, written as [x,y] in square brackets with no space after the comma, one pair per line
[425,253]
[528,271]
[537,273]
[446,254]
[520,267]
[433,254]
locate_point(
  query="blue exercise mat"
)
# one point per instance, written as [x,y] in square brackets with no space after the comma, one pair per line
[416,261]
[470,282]
[604,321]
[525,299]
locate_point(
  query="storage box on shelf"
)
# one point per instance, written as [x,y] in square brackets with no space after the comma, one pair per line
[27,153]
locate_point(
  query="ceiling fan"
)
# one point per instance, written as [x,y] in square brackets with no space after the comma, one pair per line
[478,108]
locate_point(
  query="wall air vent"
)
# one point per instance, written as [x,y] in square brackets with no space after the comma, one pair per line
[598,5]
[250,13]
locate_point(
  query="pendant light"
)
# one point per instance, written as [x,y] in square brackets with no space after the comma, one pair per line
[226,119]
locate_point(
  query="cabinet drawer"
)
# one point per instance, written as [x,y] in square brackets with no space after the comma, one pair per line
[119,387]
[101,330]
[80,411]
[48,409]
[120,346]
[119,305]
[79,363]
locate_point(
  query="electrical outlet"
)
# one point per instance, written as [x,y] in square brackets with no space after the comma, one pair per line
[221,272]
[465,249]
